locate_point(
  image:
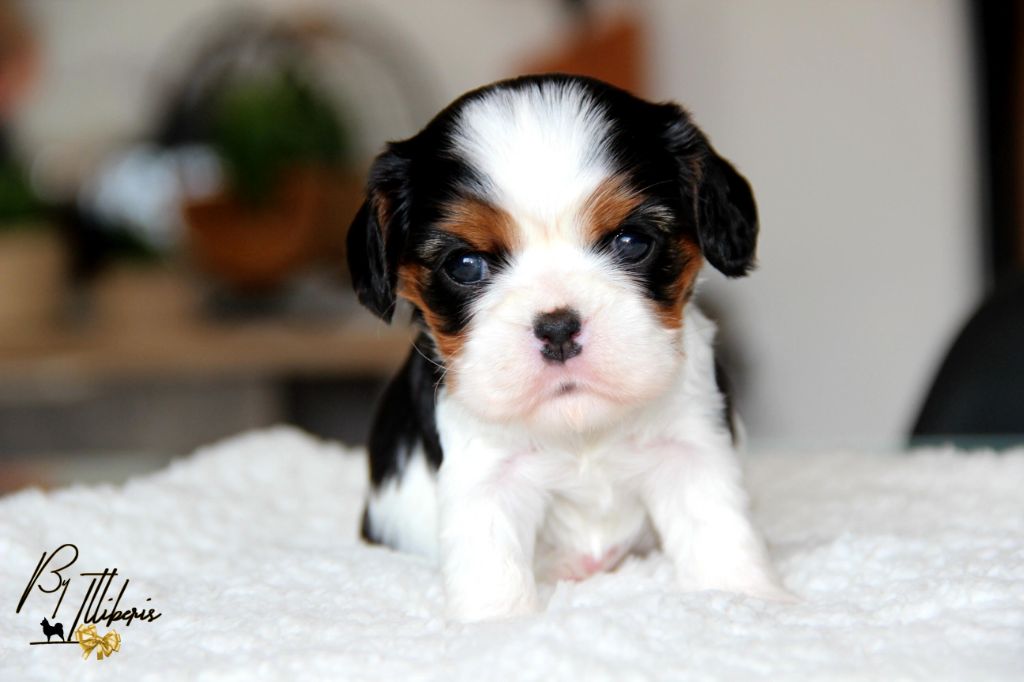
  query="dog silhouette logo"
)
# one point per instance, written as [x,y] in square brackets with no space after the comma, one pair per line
[51,630]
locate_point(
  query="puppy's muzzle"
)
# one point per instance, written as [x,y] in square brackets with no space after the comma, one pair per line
[558,330]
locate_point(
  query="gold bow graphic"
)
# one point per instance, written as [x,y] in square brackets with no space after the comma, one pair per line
[88,639]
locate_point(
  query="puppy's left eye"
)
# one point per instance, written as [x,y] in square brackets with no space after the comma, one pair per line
[630,247]
[467,268]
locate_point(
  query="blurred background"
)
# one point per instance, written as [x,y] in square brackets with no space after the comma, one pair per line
[176,179]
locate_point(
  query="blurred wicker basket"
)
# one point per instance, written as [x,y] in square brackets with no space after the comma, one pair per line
[32,268]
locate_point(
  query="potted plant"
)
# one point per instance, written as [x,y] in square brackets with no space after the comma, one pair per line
[281,146]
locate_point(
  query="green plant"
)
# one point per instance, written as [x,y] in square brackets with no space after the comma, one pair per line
[19,205]
[262,126]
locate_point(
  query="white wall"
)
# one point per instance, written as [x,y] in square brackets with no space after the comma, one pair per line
[853,121]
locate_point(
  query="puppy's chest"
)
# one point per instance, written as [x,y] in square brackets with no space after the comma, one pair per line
[594,518]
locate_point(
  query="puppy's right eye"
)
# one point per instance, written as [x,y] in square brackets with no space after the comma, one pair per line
[467,268]
[630,246]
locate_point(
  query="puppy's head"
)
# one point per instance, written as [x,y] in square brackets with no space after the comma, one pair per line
[548,232]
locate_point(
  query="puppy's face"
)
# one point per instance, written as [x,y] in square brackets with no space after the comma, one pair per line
[548,231]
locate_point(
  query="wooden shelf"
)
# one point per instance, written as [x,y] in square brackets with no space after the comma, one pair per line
[357,347]
[145,323]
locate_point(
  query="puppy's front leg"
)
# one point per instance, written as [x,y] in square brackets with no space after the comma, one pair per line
[489,518]
[699,508]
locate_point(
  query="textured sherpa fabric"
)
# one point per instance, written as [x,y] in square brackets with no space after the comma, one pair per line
[908,567]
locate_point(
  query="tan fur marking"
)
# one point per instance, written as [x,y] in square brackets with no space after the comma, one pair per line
[482,226]
[411,282]
[682,288]
[608,206]
[383,207]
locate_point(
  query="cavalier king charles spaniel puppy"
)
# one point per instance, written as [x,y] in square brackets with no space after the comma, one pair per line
[561,407]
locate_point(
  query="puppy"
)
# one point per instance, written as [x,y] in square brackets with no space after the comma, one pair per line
[559,409]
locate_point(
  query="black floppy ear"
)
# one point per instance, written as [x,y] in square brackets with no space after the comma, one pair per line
[378,234]
[726,218]
[724,206]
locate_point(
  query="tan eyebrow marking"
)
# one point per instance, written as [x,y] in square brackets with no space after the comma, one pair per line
[483,226]
[608,205]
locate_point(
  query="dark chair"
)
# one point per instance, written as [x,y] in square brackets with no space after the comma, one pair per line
[977,399]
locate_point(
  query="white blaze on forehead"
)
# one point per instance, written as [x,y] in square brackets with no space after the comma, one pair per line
[541,150]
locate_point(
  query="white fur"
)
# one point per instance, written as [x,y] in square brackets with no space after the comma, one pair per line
[403,511]
[541,150]
[588,498]
[561,469]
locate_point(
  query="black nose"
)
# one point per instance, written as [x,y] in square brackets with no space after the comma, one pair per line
[557,330]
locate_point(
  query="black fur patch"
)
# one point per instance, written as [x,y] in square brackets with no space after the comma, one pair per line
[725,388]
[405,416]
[405,419]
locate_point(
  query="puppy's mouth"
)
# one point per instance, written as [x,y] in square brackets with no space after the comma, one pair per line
[580,384]
[566,388]
[570,389]
[575,388]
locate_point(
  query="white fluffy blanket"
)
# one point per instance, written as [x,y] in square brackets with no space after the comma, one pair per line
[909,567]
